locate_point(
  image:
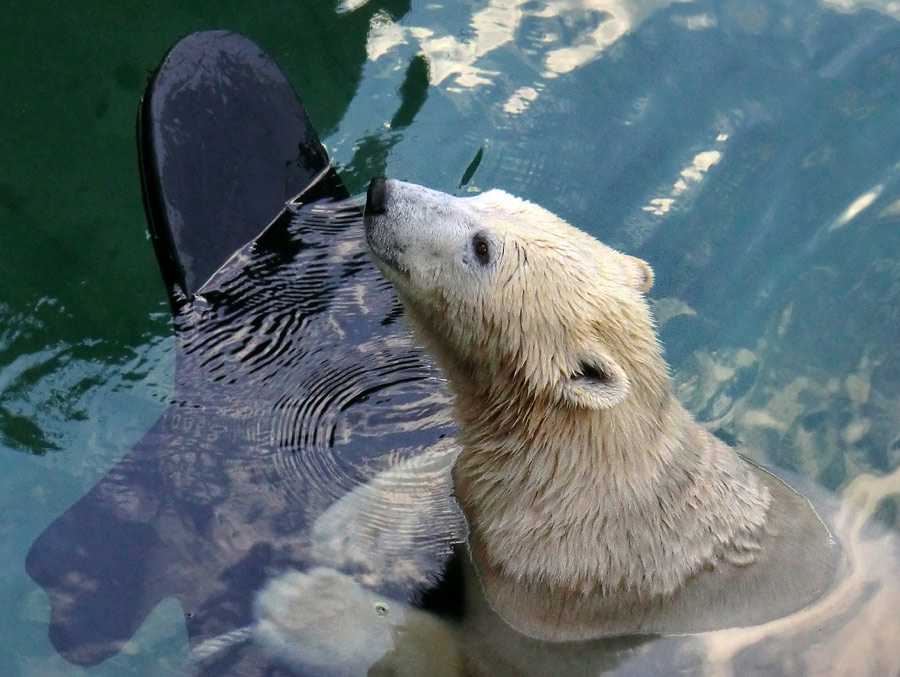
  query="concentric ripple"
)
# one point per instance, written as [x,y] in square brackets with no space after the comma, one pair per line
[294,344]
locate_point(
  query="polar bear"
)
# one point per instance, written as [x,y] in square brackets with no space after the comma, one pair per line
[595,505]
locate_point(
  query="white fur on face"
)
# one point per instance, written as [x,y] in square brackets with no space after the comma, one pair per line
[426,236]
[498,286]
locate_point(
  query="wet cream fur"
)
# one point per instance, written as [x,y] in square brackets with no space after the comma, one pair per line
[591,495]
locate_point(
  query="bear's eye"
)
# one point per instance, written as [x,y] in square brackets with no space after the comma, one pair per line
[481,248]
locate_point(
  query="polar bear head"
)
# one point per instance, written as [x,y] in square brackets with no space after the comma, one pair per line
[504,292]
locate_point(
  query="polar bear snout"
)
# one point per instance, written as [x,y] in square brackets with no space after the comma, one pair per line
[381,234]
[376,196]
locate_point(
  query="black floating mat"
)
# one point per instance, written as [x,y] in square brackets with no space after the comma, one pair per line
[223,143]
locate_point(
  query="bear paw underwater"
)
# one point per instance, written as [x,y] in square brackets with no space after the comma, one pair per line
[323,622]
[596,505]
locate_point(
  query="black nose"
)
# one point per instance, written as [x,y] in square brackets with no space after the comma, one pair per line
[376,196]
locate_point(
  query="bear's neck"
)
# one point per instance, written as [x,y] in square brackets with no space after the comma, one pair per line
[631,500]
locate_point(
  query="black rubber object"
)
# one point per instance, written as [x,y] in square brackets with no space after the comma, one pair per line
[223,142]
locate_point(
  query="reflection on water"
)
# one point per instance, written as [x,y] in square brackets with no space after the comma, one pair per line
[856,207]
[852,630]
[888,7]
[554,37]
[687,181]
[44,388]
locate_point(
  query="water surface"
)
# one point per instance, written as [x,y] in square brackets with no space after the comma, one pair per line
[747,150]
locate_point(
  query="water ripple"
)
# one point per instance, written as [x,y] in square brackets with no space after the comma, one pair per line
[304,376]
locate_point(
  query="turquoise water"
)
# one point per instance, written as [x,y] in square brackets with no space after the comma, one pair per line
[748,150]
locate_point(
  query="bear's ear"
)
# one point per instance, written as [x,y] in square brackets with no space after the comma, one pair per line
[643,273]
[598,383]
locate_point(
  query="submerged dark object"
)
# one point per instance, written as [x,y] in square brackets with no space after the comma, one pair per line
[294,381]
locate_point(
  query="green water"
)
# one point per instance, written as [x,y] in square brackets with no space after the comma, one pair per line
[748,150]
